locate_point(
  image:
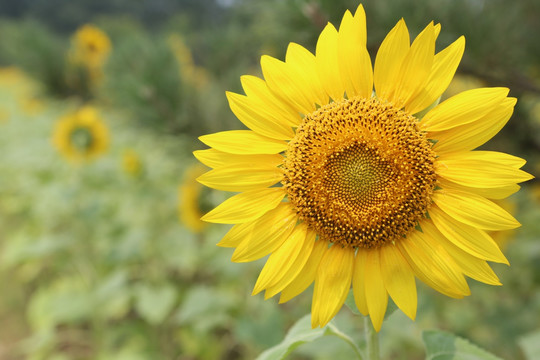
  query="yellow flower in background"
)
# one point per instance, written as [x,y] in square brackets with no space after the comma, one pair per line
[90,46]
[353,176]
[188,70]
[131,162]
[189,199]
[82,135]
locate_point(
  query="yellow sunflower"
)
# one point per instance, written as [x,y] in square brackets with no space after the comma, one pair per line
[90,46]
[82,135]
[353,176]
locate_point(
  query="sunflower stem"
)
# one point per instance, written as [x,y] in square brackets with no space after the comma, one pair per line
[372,340]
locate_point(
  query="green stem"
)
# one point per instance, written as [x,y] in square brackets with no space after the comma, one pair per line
[372,340]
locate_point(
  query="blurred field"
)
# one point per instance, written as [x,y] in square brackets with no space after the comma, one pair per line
[103,258]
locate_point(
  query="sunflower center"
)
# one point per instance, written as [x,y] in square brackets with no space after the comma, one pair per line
[81,138]
[359,172]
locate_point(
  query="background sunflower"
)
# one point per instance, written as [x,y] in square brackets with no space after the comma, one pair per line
[82,135]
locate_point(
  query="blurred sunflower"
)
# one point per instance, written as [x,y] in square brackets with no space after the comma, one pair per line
[195,75]
[90,46]
[191,200]
[376,182]
[82,135]
[131,163]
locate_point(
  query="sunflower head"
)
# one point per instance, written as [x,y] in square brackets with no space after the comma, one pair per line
[90,46]
[352,175]
[81,136]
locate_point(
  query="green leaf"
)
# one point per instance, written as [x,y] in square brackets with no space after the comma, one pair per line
[154,303]
[530,344]
[112,295]
[65,301]
[441,345]
[205,307]
[301,333]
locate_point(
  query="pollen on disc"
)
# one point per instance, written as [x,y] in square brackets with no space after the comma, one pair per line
[359,172]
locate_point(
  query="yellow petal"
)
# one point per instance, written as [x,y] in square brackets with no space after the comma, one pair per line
[358,281]
[444,67]
[432,264]
[246,206]
[471,266]
[299,263]
[267,234]
[470,136]
[487,156]
[398,279]
[305,239]
[490,193]
[474,210]
[376,295]
[471,240]
[389,58]
[304,68]
[307,275]
[282,259]
[243,177]
[332,284]
[258,118]
[481,170]
[214,158]
[236,235]
[464,108]
[285,83]
[415,67]
[353,57]
[243,142]
[327,62]
[257,90]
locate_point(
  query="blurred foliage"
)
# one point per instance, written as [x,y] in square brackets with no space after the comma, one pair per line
[95,263]
[31,46]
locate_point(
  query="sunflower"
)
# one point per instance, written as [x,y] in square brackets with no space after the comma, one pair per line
[90,46]
[82,135]
[353,176]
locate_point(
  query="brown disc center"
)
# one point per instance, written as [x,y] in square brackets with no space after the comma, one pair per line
[359,172]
